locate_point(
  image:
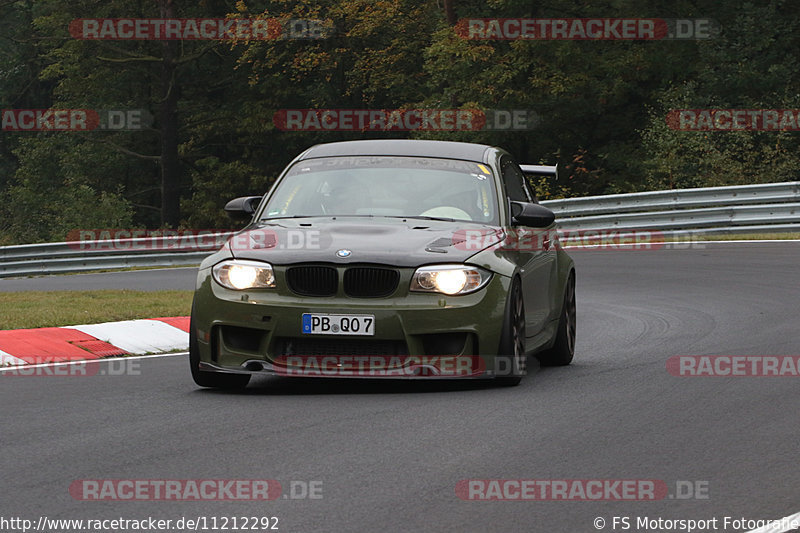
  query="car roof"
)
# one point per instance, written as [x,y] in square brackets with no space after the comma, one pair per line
[400,147]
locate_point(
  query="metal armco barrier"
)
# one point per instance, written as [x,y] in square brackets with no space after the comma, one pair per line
[762,208]
[82,256]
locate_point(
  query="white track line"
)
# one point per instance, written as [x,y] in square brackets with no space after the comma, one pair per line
[656,245]
[88,361]
[745,240]
[779,527]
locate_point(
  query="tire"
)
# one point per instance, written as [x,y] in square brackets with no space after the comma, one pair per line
[211,379]
[563,349]
[512,340]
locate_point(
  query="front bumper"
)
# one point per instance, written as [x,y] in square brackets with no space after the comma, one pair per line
[410,368]
[417,335]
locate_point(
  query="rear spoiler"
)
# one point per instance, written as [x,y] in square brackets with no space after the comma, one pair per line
[540,170]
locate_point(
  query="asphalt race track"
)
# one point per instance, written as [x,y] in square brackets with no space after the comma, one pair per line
[161,279]
[389,454]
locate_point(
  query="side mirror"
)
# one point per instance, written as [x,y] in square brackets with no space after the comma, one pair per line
[243,207]
[532,215]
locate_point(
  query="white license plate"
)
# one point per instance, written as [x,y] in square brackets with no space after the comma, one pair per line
[338,324]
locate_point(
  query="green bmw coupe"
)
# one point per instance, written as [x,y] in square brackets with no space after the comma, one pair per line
[387,258]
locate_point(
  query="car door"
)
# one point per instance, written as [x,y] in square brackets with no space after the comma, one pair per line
[531,251]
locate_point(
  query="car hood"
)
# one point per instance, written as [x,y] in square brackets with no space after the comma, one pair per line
[402,242]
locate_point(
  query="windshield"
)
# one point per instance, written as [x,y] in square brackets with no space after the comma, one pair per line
[386,186]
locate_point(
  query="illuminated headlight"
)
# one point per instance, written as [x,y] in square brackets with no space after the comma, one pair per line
[449,279]
[240,275]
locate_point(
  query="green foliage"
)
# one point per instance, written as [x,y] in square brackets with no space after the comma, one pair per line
[602,104]
[750,67]
[214,179]
[52,196]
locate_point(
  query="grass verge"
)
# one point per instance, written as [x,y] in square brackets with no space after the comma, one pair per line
[67,308]
[749,237]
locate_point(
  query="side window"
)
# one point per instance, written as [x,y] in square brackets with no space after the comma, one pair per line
[530,189]
[514,180]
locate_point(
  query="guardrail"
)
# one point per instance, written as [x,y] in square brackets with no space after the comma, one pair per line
[82,256]
[763,208]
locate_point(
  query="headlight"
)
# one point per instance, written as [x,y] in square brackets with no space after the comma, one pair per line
[449,279]
[240,274]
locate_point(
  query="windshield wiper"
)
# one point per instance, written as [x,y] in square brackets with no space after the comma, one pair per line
[312,216]
[420,217]
[291,216]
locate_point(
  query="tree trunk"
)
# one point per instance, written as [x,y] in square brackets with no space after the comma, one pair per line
[450,12]
[170,169]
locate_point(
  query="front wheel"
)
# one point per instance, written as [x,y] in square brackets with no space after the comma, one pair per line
[563,349]
[511,355]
